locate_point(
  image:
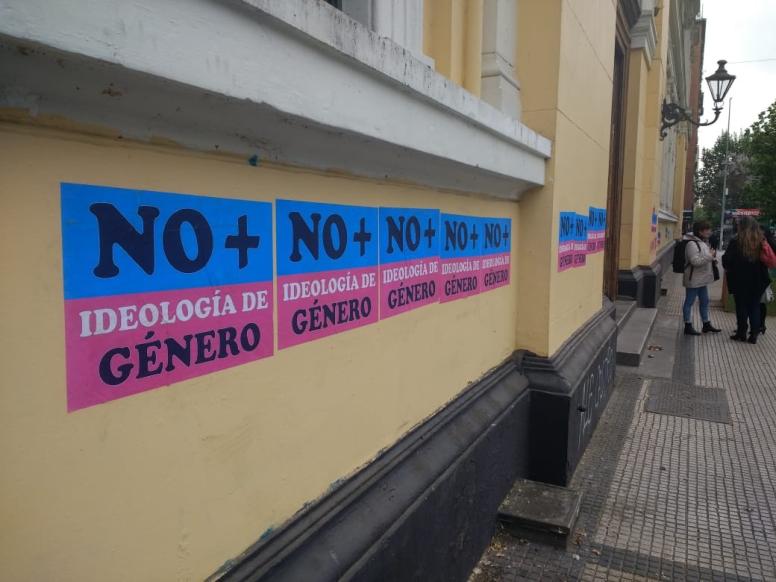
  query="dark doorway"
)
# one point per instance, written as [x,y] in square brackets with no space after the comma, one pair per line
[627,14]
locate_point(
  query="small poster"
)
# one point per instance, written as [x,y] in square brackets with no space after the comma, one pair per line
[495,264]
[409,259]
[596,230]
[580,240]
[327,256]
[160,288]
[461,253]
[566,241]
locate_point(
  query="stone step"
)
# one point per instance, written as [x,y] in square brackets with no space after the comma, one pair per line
[633,335]
[540,512]
[623,309]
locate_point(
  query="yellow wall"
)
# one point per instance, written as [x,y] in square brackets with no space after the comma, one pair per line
[565,66]
[636,139]
[452,36]
[643,152]
[168,484]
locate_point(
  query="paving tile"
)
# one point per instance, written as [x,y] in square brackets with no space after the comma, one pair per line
[666,497]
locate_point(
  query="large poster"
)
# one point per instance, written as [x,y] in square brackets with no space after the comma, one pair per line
[160,288]
[409,259]
[495,264]
[327,258]
[566,240]
[461,250]
[596,230]
[580,240]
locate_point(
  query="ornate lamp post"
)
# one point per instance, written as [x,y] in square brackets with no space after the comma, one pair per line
[719,85]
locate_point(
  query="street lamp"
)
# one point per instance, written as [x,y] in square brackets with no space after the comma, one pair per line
[719,85]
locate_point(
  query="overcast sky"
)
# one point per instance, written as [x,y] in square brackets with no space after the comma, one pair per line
[740,30]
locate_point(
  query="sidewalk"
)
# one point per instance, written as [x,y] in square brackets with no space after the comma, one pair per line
[668,497]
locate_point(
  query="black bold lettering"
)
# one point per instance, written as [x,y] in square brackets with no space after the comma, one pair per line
[250,337]
[176,350]
[226,339]
[123,370]
[147,357]
[205,350]
[395,233]
[301,232]
[114,229]
[335,221]
[173,243]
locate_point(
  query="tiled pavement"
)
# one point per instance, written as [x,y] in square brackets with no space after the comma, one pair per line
[668,497]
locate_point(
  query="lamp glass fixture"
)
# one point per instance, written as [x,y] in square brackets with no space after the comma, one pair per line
[720,82]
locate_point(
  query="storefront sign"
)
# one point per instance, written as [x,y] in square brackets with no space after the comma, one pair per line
[160,288]
[327,269]
[745,212]
[409,259]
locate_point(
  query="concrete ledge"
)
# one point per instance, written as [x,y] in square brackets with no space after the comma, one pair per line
[540,512]
[632,337]
[623,309]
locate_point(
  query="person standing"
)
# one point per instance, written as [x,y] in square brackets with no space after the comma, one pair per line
[747,277]
[764,299]
[698,275]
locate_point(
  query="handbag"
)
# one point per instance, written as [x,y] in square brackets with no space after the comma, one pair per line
[767,256]
[715,269]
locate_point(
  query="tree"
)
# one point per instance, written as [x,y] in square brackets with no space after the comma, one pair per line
[760,146]
[710,177]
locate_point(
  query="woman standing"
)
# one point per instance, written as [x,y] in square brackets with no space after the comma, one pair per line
[763,301]
[747,277]
[698,275]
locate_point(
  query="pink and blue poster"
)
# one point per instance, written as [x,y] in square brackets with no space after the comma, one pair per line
[327,263]
[566,241]
[160,288]
[596,230]
[495,264]
[461,251]
[409,259]
[580,240]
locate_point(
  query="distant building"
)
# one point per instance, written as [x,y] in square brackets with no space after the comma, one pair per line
[296,289]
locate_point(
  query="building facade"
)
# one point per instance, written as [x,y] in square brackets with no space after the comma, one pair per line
[295,290]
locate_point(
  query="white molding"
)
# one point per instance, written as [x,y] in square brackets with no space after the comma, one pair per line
[500,86]
[294,82]
[644,32]
[666,216]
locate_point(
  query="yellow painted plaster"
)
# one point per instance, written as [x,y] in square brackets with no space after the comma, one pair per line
[565,68]
[168,484]
[452,36]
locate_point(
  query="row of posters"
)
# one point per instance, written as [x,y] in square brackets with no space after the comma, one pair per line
[580,235]
[164,287]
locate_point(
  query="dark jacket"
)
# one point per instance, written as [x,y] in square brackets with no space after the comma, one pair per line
[746,279]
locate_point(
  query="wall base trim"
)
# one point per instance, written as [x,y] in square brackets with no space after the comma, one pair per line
[569,392]
[423,510]
[643,283]
[426,508]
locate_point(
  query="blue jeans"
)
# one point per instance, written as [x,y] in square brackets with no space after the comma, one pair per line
[701,293]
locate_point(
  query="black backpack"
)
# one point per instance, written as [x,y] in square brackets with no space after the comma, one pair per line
[680,255]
